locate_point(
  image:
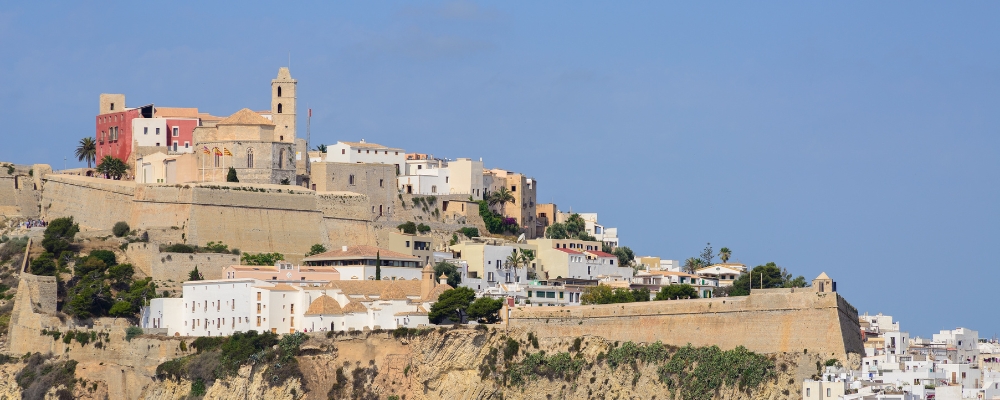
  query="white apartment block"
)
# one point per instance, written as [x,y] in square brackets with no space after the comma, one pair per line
[431,176]
[221,307]
[366,153]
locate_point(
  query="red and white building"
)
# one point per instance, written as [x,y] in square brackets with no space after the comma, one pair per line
[120,129]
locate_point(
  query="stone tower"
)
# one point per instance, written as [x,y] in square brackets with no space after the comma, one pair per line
[283,106]
[824,284]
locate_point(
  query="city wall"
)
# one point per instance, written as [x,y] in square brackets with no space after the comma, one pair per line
[767,321]
[175,266]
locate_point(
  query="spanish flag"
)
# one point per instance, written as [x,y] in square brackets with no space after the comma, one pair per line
[206,150]
[225,150]
[217,151]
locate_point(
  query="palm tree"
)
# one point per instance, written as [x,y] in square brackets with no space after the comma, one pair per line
[692,264]
[526,257]
[513,260]
[501,197]
[724,254]
[321,148]
[112,168]
[87,150]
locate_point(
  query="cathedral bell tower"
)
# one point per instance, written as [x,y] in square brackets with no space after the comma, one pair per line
[283,106]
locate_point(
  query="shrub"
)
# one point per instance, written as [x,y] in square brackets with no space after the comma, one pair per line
[120,229]
[408,227]
[316,249]
[469,232]
[422,228]
[262,258]
[231,176]
[179,248]
[131,332]
[213,247]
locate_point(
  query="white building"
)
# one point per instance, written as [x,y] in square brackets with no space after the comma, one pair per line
[221,307]
[487,265]
[725,274]
[432,176]
[157,132]
[366,153]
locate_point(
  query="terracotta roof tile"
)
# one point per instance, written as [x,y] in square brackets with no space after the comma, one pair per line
[355,307]
[600,254]
[434,294]
[245,117]
[367,145]
[324,305]
[392,291]
[570,251]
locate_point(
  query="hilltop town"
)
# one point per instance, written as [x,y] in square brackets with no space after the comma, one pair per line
[192,237]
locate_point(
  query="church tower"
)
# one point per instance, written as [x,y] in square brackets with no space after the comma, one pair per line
[283,106]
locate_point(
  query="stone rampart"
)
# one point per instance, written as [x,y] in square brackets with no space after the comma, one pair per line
[176,266]
[765,321]
[19,194]
[94,203]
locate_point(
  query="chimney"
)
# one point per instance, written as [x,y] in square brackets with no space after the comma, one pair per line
[343,248]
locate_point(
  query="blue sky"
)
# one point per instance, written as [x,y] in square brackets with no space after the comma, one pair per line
[855,138]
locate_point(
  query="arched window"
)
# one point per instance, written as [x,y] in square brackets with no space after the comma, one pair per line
[279,108]
[218,160]
[249,158]
[279,91]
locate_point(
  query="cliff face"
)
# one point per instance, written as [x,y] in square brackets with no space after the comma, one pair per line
[470,364]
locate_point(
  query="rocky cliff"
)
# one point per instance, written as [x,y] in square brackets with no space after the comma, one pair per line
[465,363]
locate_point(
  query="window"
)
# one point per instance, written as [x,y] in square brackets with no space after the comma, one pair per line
[808,390]
[529,293]
[218,159]
[157,131]
[145,130]
[343,151]
[292,309]
[175,146]
[407,244]
[279,91]
[187,145]
[279,108]
[380,182]
[177,131]
[350,180]
[513,188]
[258,321]
[258,296]
[112,106]
[434,189]
[827,392]
[249,158]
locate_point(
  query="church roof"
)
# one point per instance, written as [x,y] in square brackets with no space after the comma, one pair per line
[392,291]
[362,252]
[375,288]
[324,305]
[284,75]
[436,292]
[355,307]
[245,117]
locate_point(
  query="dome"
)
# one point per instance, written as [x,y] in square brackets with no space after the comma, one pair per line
[324,305]
[392,291]
[355,307]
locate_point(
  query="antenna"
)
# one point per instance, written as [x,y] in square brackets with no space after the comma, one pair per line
[289,60]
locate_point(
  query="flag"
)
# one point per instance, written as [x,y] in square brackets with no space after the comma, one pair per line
[217,151]
[225,150]
[310,113]
[206,150]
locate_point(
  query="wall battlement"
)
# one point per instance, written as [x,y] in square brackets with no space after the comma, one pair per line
[765,321]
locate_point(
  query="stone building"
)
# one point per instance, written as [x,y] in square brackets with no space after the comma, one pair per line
[525,191]
[249,143]
[375,180]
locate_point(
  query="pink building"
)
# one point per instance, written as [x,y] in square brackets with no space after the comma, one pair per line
[283,272]
[120,128]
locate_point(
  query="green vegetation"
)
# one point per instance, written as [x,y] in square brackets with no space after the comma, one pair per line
[221,357]
[195,275]
[408,227]
[210,247]
[86,151]
[12,248]
[605,295]
[131,332]
[469,232]
[767,276]
[574,228]
[112,168]
[120,229]
[40,374]
[626,258]
[316,249]
[450,301]
[450,270]
[57,241]
[102,287]
[725,254]
[501,197]
[262,258]
[496,223]
[674,292]
[231,175]
[422,228]
[698,373]
[485,310]
[178,248]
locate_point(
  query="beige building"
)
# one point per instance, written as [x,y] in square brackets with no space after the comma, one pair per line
[421,247]
[545,214]
[166,168]
[377,181]
[726,274]
[525,191]
[247,142]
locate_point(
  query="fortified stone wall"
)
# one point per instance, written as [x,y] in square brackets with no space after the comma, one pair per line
[176,266]
[767,321]
[93,202]
[19,191]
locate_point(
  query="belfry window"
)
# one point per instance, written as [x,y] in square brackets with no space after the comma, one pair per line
[279,108]
[249,158]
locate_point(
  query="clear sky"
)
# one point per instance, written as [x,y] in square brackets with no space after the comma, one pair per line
[856,138]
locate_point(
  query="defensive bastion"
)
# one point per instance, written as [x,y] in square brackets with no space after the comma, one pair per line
[766,321]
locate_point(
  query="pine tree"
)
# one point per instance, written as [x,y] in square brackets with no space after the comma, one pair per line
[231,176]
[378,267]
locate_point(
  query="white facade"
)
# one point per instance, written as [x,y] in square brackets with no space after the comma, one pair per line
[367,272]
[222,307]
[366,153]
[432,180]
[150,132]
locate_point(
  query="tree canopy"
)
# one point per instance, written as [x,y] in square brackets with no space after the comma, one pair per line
[449,270]
[674,292]
[486,310]
[603,294]
[767,276]
[449,302]
[573,228]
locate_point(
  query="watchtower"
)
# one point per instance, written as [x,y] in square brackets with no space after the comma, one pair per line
[823,283]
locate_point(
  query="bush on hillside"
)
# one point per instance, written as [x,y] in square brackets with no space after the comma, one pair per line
[120,229]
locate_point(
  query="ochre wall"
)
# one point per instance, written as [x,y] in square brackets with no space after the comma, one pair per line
[766,321]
